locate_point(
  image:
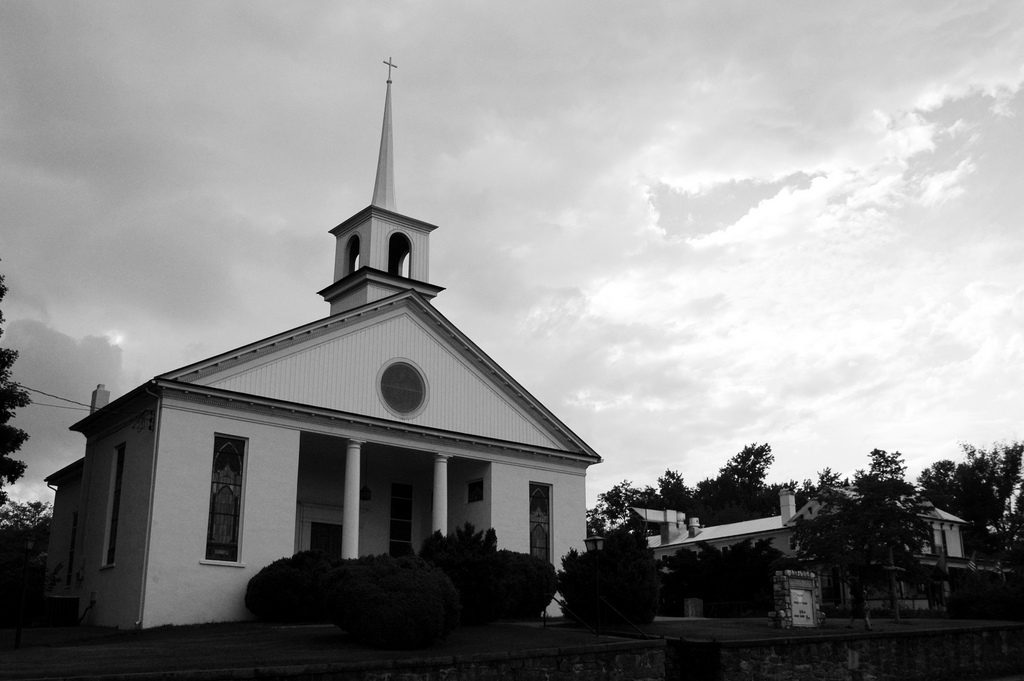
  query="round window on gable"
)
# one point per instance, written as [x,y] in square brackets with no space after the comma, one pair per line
[402,387]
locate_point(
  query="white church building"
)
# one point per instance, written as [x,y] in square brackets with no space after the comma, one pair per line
[359,433]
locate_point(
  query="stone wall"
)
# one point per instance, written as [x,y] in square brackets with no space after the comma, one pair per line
[936,655]
[624,661]
[786,612]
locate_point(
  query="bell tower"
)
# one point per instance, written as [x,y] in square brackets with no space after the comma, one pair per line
[379,251]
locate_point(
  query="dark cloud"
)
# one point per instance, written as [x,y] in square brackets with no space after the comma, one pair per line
[65,367]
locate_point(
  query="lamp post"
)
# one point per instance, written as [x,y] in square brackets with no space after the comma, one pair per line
[29,545]
[594,545]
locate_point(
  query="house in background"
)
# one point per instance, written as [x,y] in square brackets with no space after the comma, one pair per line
[676,532]
[360,433]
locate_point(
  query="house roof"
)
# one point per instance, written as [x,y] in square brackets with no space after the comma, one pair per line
[938,513]
[738,530]
[762,526]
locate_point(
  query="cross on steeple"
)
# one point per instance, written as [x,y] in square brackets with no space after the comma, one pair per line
[384,185]
[390,66]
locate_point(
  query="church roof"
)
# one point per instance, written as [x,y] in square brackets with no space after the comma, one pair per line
[206,377]
[70,472]
[328,369]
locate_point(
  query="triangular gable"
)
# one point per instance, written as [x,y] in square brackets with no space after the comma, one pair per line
[335,364]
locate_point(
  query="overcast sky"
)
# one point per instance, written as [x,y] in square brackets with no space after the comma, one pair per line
[683,226]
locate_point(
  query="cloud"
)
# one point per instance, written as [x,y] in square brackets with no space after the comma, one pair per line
[683,226]
[946,186]
[52,362]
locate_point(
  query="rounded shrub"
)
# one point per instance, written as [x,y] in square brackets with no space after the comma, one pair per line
[628,581]
[529,584]
[290,589]
[397,603]
[471,560]
[335,604]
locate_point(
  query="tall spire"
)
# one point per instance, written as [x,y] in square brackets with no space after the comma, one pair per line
[384,185]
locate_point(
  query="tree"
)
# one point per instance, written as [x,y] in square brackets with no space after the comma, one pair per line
[862,527]
[29,516]
[20,522]
[613,508]
[624,573]
[12,397]
[987,490]
[733,580]
[674,492]
[746,471]
[739,492]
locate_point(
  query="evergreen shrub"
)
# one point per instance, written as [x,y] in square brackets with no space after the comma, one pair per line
[981,599]
[395,603]
[470,558]
[628,580]
[529,582]
[290,589]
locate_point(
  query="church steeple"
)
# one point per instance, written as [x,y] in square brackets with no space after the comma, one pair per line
[378,251]
[384,185]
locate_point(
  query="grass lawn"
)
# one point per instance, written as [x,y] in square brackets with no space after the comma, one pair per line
[84,651]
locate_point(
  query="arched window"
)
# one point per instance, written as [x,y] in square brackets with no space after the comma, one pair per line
[225,499]
[352,256]
[399,254]
[540,520]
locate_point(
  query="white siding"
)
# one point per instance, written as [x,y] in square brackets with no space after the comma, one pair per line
[510,487]
[340,371]
[117,586]
[181,586]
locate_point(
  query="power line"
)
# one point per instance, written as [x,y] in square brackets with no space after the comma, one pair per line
[56,397]
[58,406]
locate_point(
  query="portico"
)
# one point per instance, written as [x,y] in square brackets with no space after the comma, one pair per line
[371,515]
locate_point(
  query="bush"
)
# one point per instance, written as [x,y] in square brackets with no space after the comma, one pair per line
[733,581]
[530,584]
[290,589]
[397,603]
[471,560]
[984,600]
[628,580]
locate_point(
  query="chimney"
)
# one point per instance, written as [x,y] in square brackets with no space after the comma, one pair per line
[787,504]
[693,528]
[100,398]
[669,525]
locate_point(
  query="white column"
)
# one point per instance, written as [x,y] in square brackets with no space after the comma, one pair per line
[350,518]
[440,516]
